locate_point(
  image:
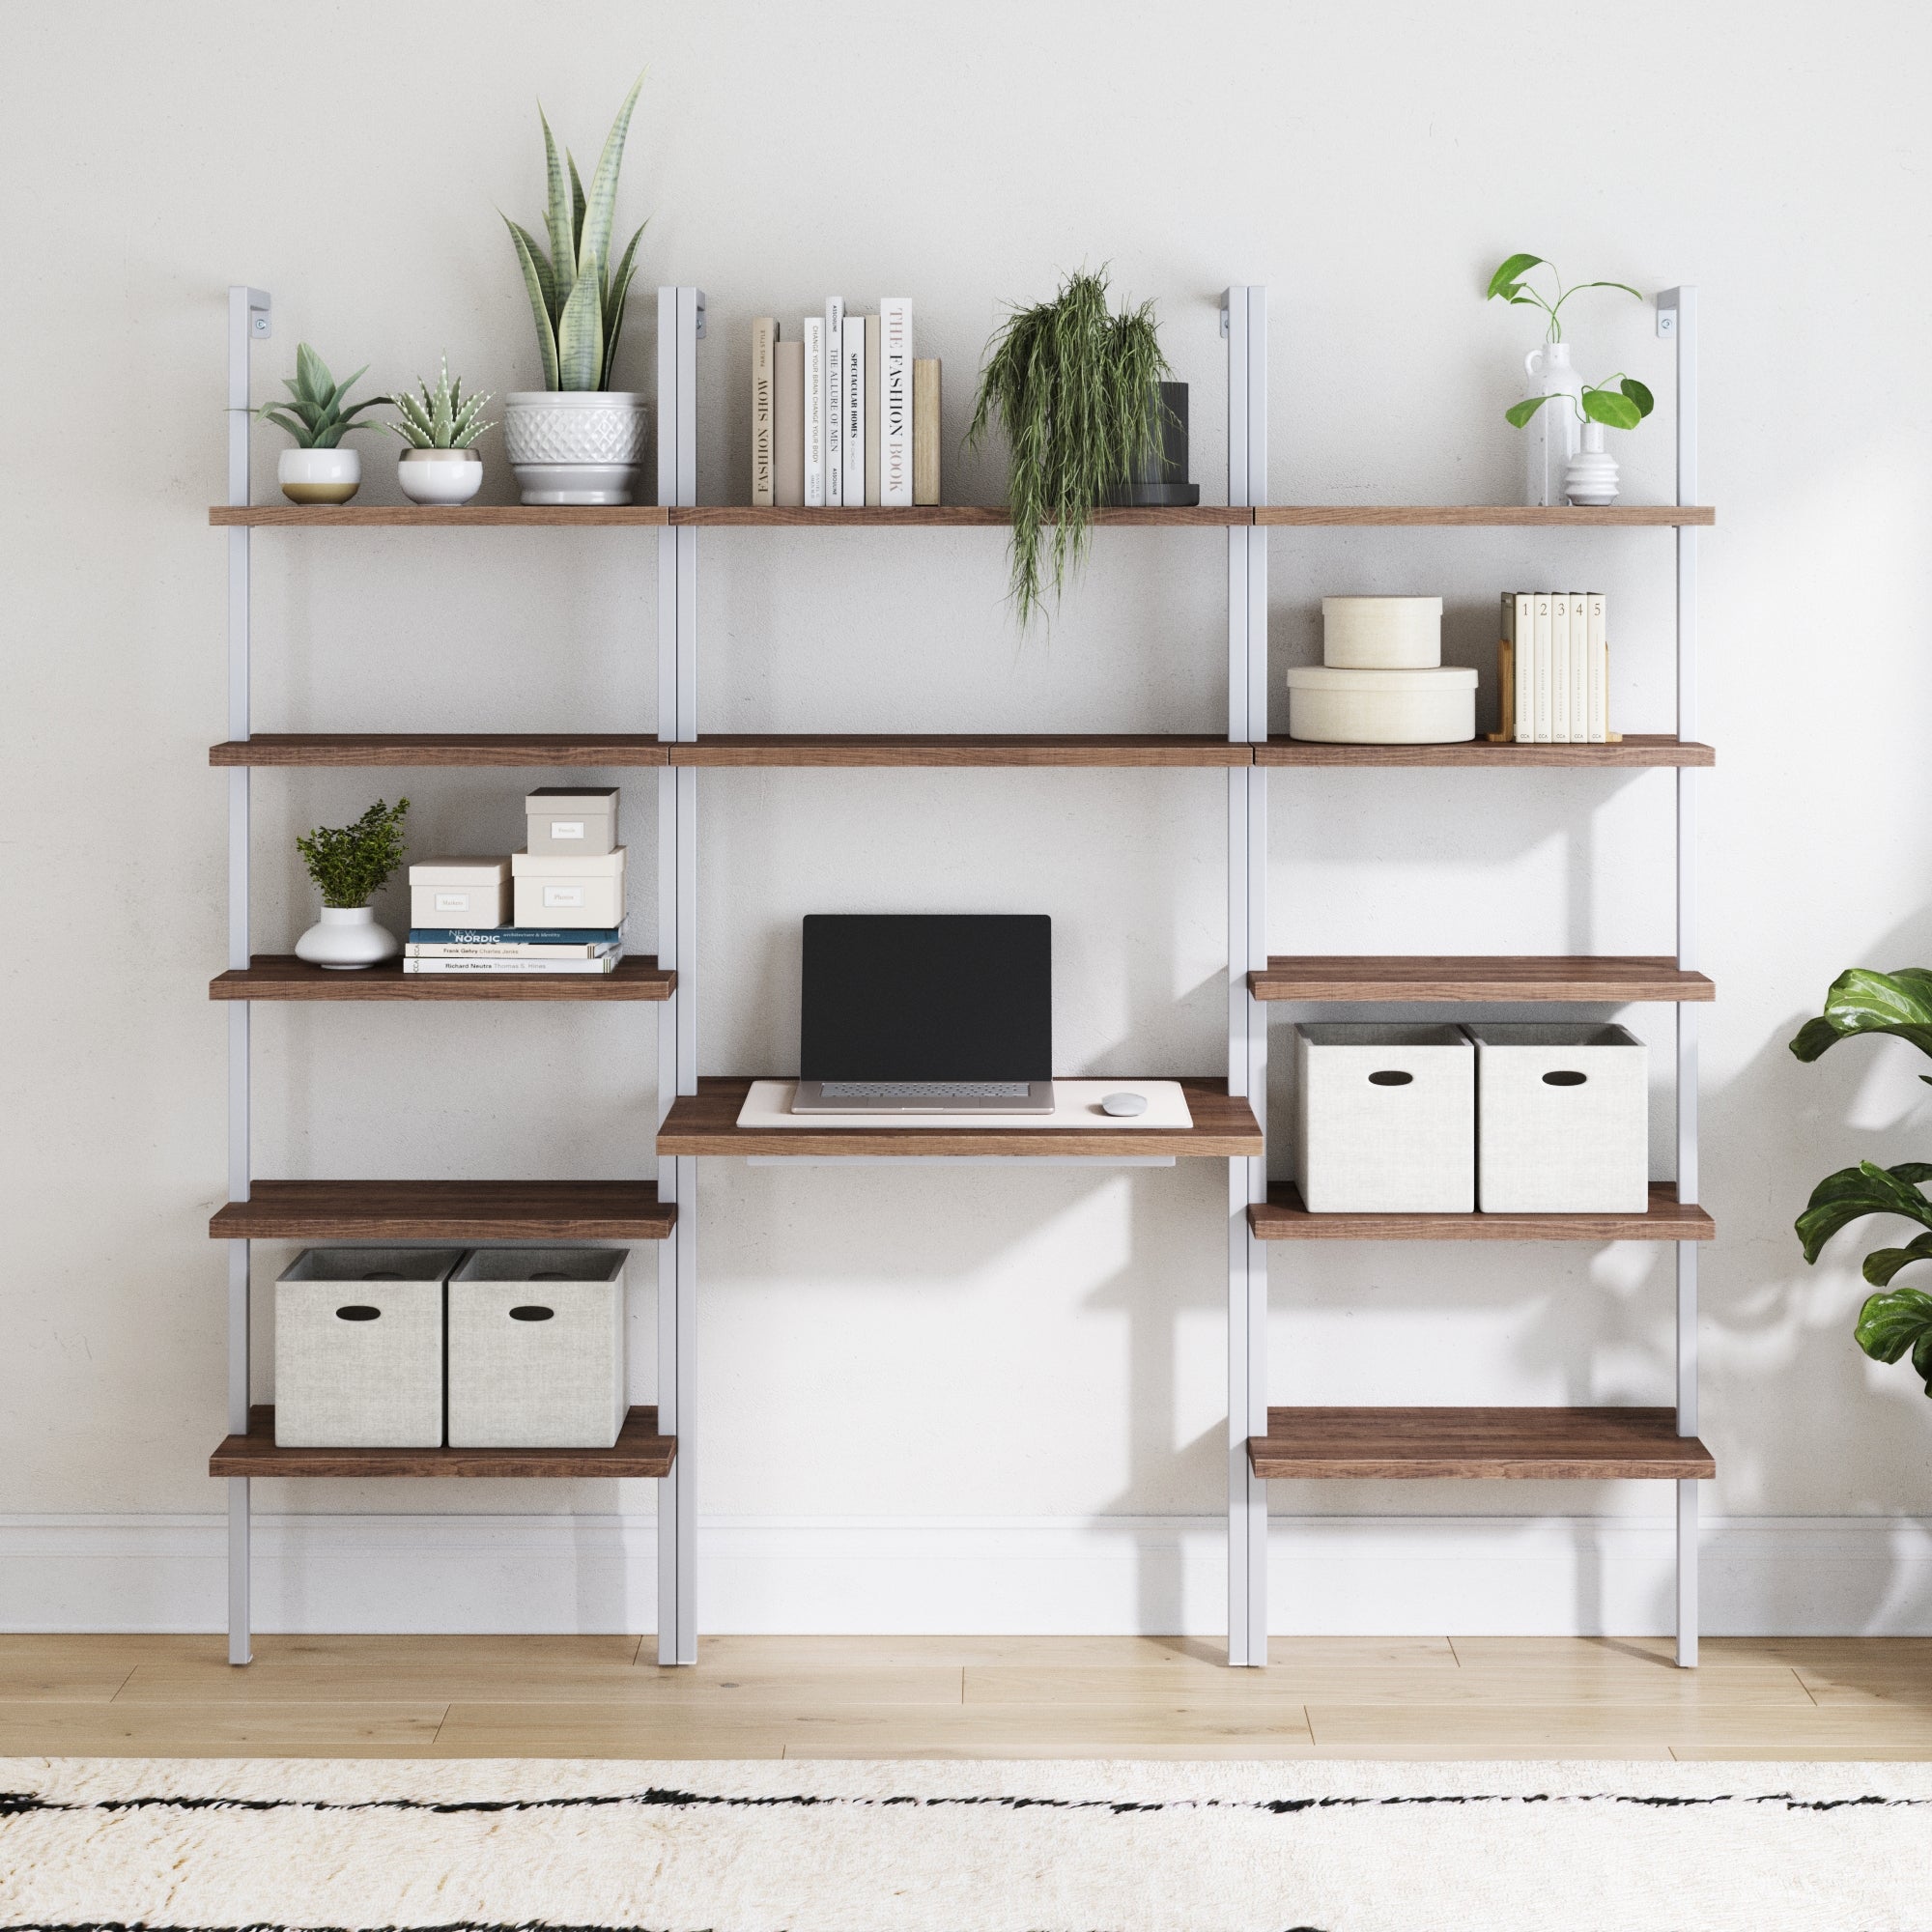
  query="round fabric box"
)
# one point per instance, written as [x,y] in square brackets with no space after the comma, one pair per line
[1381,633]
[1333,706]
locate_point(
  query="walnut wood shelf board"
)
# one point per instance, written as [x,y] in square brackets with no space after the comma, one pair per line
[1635,750]
[945,516]
[639,1451]
[1522,1444]
[446,1210]
[707,1122]
[1617,516]
[1619,981]
[281,976]
[503,748]
[404,515]
[945,750]
[1283,1218]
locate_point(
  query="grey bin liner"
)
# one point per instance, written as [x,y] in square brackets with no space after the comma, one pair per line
[536,1349]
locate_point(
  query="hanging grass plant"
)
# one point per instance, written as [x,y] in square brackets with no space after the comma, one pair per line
[1074,387]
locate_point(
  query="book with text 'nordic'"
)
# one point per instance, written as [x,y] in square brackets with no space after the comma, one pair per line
[895,401]
[516,935]
[431,949]
[834,391]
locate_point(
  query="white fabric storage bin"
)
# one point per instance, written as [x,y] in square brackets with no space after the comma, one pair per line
[1381,633]
[563,820]
[358,1348]
[1563,1115]
[536,1349]
[1385,1119]
[584,890]
[1381,707]
[460,892]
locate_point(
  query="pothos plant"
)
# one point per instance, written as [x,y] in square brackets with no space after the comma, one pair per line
[351,864]
[1074,385]
[1896,1320]
[1623,407]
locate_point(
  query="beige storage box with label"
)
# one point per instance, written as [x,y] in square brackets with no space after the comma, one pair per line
[563,821]
[536,1349]
[1385,1119]
[460,892]
[1381,633]
[358,1348]
[568,892]
[1563,1118]
[1330,706]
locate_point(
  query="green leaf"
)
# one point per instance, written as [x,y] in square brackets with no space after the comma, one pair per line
[1503,281]
[537,286]
[1888,1324]
[576,203]
[1625,286]
[1518,413]
[1645,402]
[273,412]
[1854,1192]
[579,337]
[1882,1264]
[594,243]
[613,306]
[312,381]
[1861,1000]
[557,217]
[1617,412]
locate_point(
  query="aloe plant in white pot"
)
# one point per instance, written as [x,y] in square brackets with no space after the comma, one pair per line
[577,440]
[442,464]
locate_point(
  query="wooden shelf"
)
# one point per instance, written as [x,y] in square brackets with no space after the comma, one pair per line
[1525,1444]
[1488,516]
[1637,749]
[281,976]
[639,1451]
[443,748]
[404,515]
[707,1122]
[929,750]
[1618,981]
[446,1210]
[943,516]
[1283,1218]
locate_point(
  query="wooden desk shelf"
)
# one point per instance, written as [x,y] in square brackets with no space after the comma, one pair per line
[1283,1218]
[446,1210]
[1375,976]
[281,975]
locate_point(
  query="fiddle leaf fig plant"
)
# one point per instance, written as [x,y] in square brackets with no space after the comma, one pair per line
[1510,284]
[1898,1319]
[349,864]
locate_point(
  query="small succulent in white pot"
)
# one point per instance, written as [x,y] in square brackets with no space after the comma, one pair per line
[577,440]
[442,464]
[317,470]
[350,865]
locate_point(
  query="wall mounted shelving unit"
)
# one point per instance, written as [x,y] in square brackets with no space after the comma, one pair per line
[697,1117]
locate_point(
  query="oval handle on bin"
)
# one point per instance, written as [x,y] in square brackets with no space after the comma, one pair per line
[1390,1078]
[1564,1079]
[358,1311]
[531,1312]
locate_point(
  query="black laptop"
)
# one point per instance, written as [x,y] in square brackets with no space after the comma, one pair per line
[926,1013]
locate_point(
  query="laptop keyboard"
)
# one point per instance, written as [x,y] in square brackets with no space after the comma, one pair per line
[924,1090]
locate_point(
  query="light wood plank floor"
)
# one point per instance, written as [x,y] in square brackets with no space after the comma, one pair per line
[898,1696]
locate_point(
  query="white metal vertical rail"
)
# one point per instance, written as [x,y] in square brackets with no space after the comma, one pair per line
[1244,324]
[1677,319]
[680,324]
[247,321]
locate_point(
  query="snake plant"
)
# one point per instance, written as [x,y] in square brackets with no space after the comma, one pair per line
[576,299]
[1897,1319]
[444,419]
[321,411]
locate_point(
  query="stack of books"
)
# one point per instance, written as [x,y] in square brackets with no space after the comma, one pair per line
[1555,669]
[843,414]
[513,948]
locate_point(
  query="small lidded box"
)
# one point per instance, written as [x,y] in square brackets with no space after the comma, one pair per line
[582,890]
[563,821]
[460,892]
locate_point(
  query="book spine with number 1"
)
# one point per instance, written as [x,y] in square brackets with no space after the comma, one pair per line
[834,388]
[1522,632]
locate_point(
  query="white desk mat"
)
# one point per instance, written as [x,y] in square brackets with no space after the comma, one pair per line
[1076,1104]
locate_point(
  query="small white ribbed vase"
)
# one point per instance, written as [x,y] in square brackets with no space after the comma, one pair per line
[346,938]
[1591,476]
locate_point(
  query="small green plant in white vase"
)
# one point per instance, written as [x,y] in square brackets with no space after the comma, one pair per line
[318,415]
[442,464]
[350,865]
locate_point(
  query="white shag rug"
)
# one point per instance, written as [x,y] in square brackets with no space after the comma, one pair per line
[965,1847]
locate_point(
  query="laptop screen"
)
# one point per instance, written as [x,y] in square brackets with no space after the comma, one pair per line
[928,996]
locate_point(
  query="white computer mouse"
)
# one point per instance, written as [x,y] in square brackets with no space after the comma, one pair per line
[1123,1106]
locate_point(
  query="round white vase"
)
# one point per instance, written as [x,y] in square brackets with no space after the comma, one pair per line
[346,938]
[1550,434]
[575,446]
[440,476]
[319,475]
[1591,477]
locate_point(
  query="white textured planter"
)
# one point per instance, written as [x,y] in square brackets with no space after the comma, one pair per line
[346,938]
[1381,633]
[440,476]
[319,475]
[575,446]
[1332,706]
[1591,478]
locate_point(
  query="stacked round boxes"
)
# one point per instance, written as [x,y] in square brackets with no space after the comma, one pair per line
[1381,680]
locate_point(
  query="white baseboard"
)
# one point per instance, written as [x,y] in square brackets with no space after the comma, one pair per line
[1762,1576]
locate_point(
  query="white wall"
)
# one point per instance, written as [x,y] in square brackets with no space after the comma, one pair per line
[946,1398]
